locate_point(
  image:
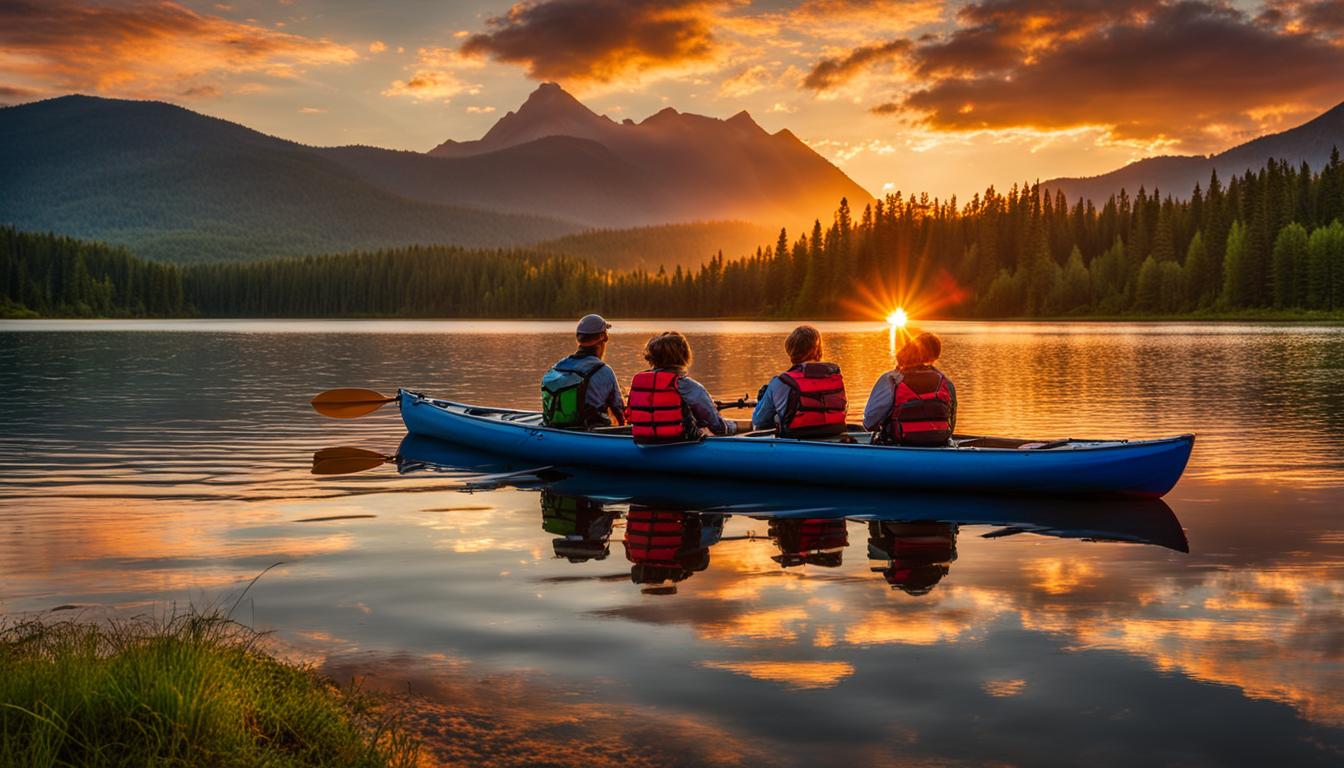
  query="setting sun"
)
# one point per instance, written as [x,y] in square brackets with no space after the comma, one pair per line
[897,318]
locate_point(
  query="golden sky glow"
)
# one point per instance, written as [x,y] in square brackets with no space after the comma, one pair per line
[924,95]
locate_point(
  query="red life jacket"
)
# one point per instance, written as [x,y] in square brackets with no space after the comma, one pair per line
[817,403]
[812,541]
[656,411]
[654,537]
[921,411]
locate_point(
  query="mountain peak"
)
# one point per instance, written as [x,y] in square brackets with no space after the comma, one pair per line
[743,121]
[549,111]
[552,99]
[661,116]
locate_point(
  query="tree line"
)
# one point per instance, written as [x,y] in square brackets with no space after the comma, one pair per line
[1269,239]
[52,275]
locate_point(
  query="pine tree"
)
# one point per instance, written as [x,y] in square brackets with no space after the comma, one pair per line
[1148,292]
[1289,260]
[1075,287]
[1201,283]
[1236,271]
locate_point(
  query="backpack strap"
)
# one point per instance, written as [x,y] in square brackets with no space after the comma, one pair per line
[583,366]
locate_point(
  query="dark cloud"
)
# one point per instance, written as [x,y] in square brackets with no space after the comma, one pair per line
[999,34]
[1186,70]
[1324,15]
[13,95]
[598,39]
[994,35]
[201,92]
[829,73]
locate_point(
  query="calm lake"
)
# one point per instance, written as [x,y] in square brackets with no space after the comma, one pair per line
[152,465]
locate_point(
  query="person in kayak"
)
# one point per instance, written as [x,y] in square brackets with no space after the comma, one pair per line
[809,541]
[913,404]
[666,405]
[668,546]
[582,526]
[580,391]
[912,556]
[808,400]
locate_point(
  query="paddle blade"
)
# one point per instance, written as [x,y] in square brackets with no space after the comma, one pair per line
[346,461]
[349,403]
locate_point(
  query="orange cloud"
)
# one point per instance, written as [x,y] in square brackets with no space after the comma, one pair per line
[598,40]
[799,675]
[145,49]
[831,72]
[436,75]
[1192,72]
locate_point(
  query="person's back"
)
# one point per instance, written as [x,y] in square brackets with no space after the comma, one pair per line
[914,404]
[808,400]
[580,390]
[665,404]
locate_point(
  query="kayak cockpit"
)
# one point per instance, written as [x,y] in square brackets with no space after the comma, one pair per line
[854,435]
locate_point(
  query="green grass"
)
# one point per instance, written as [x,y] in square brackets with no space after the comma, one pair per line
[191,690]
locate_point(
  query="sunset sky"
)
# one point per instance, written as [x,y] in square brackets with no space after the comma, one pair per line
[923,95]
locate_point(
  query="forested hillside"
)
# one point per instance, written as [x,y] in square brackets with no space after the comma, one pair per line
[1267,240]
[670,245]
[1308,143]
[175,185]
[1264,240]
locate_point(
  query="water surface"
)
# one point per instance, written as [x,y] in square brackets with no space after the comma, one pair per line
[144,465]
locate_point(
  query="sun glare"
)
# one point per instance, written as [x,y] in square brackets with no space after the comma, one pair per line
[897,318]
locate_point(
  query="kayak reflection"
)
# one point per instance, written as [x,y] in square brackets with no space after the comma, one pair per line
[671,524]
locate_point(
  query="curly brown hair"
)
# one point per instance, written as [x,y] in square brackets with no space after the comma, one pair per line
[668,349]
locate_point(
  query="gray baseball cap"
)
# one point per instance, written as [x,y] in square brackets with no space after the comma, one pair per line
[592,324]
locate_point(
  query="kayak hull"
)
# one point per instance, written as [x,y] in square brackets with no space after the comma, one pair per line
[1147,468]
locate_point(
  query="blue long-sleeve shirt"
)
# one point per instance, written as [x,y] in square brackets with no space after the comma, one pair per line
[883,397]
[701,405]
[771,404]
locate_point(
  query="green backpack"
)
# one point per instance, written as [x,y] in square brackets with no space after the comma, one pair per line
[564,392]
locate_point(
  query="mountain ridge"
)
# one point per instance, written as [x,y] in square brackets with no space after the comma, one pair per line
[706,167]
[174,184]
[1177,175]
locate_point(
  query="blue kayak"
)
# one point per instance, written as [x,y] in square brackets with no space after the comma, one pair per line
[971,465]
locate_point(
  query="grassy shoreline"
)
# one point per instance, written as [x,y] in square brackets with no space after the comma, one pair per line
[193,689]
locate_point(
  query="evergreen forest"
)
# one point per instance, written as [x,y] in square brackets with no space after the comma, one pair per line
[1270,241]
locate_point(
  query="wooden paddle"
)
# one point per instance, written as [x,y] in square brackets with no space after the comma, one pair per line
[349,403]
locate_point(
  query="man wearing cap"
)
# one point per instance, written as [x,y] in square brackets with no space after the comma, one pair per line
[579,391]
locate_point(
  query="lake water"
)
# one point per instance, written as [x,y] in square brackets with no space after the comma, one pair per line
[150,465]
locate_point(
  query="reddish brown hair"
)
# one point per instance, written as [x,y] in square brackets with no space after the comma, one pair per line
[803,344]
[924,349]
[668,349]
